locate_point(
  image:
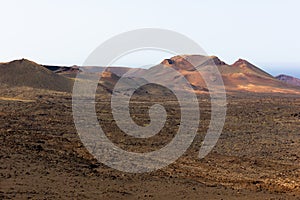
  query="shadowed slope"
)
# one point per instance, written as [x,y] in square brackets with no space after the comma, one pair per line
[288,79]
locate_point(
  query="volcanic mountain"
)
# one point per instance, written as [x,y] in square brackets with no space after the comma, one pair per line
[30,74]
[289,79]
[240,76]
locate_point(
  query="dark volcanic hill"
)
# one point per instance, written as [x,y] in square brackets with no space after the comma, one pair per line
[30,74]
[289,79]
[63,70]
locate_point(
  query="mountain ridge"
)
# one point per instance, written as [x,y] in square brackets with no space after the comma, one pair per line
[241,76]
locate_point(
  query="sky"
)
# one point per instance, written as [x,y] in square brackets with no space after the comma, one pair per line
[266,33]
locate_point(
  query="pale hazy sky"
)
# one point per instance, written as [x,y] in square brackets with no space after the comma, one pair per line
[65,32]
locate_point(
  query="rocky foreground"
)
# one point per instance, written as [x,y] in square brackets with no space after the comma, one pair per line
[256,157]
